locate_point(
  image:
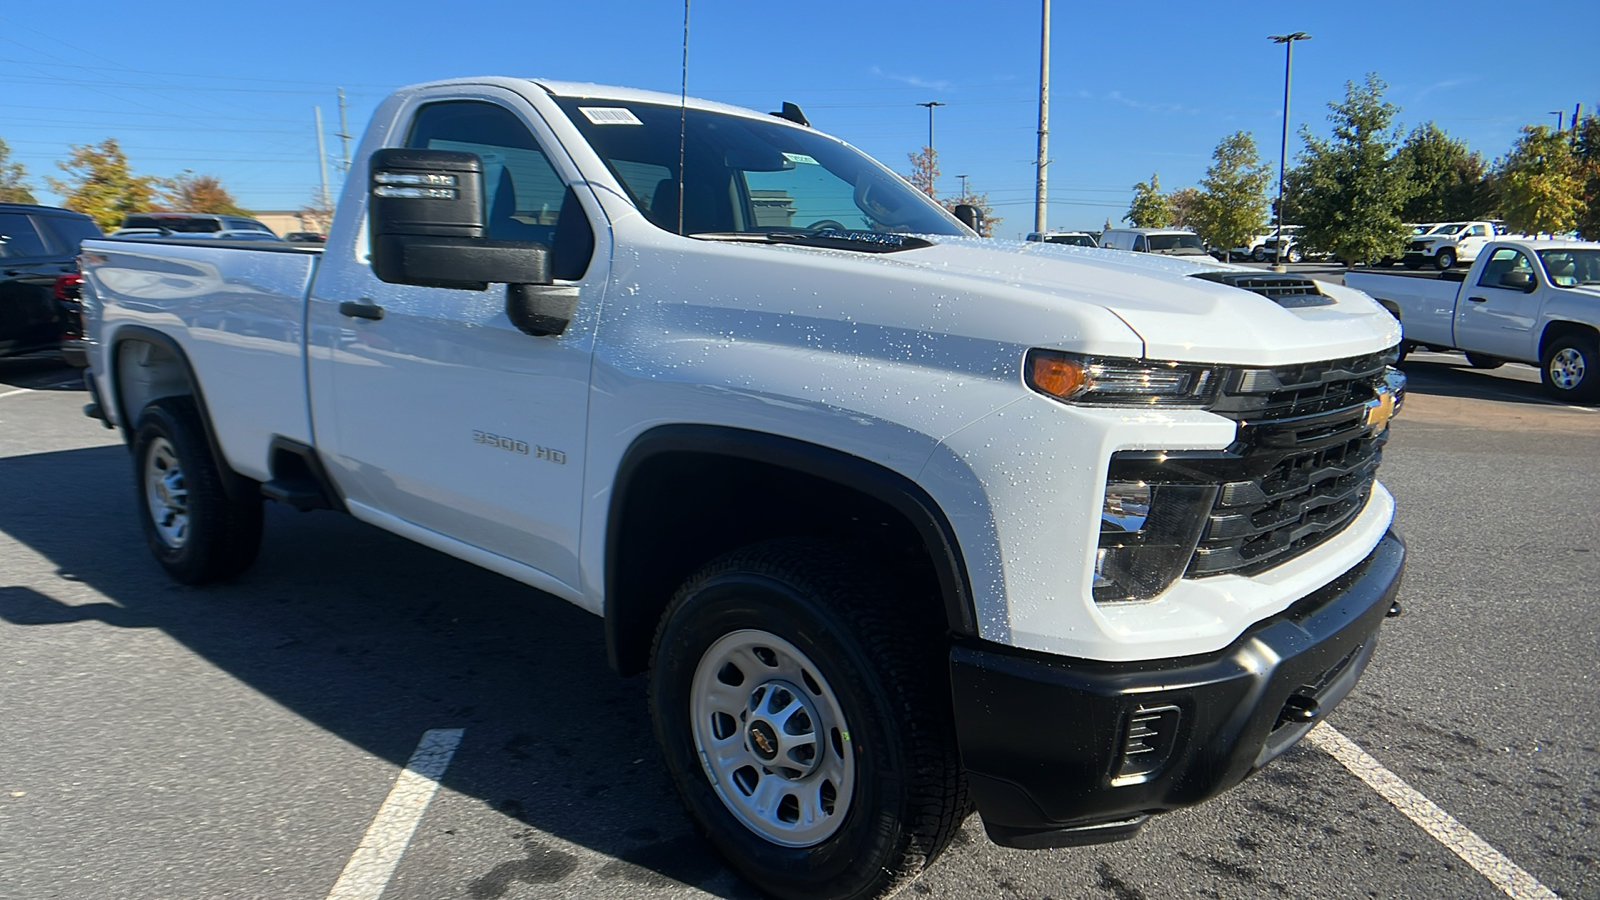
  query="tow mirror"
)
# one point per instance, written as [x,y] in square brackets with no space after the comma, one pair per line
[1520,281]
[970,217]
[427,227]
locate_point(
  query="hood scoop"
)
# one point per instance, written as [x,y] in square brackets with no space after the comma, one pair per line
[1288,291]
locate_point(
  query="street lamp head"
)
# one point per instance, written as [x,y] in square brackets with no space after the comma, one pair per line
[1287,38]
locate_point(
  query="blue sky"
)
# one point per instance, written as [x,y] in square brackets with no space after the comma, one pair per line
[228,89]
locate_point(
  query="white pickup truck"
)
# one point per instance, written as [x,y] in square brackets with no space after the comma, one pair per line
[1449,243]
[901,523]
[1523,300]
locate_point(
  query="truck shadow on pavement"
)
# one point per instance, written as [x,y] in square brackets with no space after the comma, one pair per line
[1449,377]
[377,639]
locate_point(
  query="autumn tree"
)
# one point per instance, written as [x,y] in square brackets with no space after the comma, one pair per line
[980,202]
[1449,182]
[1233,199]
[1540,190]
[1150,208]
[198,193]
[924,169]
[1185,205]
[1586,144]
[318,212]
[100,184]
[1354,188]
[13,179]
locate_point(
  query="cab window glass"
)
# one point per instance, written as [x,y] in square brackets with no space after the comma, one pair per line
[19,239]
[1504,261]
[523,196]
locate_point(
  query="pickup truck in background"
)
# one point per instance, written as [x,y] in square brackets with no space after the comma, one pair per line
[1447,244]
[901,523]
[1524,300]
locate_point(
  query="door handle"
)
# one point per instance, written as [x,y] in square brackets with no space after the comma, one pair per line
[361,309]
[1479,299]
[13,272]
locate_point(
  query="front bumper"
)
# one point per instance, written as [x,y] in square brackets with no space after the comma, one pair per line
[1062,752]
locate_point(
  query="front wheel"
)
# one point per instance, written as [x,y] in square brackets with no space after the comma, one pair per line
[806,725]
[1294,255]
[196,528]
[1259,254]
[1568,368]
[1445,259]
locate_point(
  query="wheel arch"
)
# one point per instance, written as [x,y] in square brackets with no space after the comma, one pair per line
[1560,328]
[732,487]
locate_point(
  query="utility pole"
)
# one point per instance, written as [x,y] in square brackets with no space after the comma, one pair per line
[1287,40]
[322,160]
[963,186]
[344,130]
[1039,223]
[930,105]
[1558,113]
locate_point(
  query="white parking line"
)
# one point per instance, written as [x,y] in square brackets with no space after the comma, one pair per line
[17,391]
[1474,850]
[374,862]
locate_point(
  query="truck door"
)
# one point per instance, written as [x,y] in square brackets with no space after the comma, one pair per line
[1493,318]
[441,413]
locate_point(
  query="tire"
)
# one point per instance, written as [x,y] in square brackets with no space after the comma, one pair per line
[1445,259]
[1411,263]
[1294,255]
[1570,368]
[1484,361]
[1386,263]
[1259,254]
[1405,350]
[197,531]
[803,626]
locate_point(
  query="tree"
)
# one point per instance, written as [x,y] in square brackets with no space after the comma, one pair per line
[198,193]
[1149,208]
[1185,205]
[13,179]
[924,169]
[1586,144]
[100,184]
[1448,181]
[317,213]
[1540,190]
[1354,187]
[1233,201]
[981,203]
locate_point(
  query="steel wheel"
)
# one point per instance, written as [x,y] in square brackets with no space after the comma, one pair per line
[1567,368]
[165,493]
[772,738]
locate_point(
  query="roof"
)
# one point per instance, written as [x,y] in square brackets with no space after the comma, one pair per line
[36,209]
[609,93]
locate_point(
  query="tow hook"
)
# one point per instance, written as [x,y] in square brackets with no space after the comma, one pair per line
[1395,611]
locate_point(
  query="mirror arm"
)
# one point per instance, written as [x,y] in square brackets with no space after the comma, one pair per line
[541,310]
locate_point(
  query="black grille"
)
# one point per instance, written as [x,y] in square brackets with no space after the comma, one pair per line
[1309,458]
[1290,291]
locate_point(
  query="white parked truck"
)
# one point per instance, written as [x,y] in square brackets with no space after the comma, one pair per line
[1448,244]
[901,523]
[1527,301]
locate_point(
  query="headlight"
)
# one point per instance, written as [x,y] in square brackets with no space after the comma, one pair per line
[1148,533]
[1105,381]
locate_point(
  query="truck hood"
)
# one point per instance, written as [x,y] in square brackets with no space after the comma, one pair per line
[1176,315]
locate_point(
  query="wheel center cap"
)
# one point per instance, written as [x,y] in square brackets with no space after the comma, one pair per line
[763,740]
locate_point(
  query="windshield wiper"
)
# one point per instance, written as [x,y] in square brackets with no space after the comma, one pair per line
[863,241]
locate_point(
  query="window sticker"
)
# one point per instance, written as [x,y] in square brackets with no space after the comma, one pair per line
[609,115]
[800,158]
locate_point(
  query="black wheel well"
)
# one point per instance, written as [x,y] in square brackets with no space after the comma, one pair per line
[686,495]
[1560,329]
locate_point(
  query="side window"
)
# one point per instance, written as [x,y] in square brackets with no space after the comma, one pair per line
[1141,245]
[19,239]
[1480,231]
[1504,261]
[525,198]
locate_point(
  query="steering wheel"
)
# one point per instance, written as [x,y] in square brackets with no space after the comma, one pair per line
[826,225]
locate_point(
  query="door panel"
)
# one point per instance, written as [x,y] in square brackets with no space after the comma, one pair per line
[1496,320]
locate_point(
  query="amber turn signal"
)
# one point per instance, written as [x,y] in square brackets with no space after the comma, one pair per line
[1059,376]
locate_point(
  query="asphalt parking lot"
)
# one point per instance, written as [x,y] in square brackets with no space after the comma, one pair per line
[244,740]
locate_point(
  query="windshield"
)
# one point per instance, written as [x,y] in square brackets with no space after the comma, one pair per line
[744,175]
[1571,267]
[180,224]
[1074,240]
[1449,228]
[1175,243]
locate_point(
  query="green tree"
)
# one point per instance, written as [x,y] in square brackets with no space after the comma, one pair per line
[1448,181]
[198,193]
[1354,187]
[13,179]
[1233,198]
[1150,208]
[1540,189]
[1586,144]
[100,184]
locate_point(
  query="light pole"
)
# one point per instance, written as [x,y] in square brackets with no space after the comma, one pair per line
[963,186]
[930,105]
[1558,114]
[1287,40]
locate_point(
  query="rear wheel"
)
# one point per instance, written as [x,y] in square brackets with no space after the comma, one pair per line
[1412,263]
[197,531]
[1484,361]
[1568,368]
[809,734]
[1294,255]
[1259,254]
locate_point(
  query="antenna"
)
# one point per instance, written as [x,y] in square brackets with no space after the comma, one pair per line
[683,111]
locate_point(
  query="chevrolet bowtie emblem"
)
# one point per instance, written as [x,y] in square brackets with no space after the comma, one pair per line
[1380,410]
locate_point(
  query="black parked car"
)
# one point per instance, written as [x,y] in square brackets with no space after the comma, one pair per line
[39,280]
